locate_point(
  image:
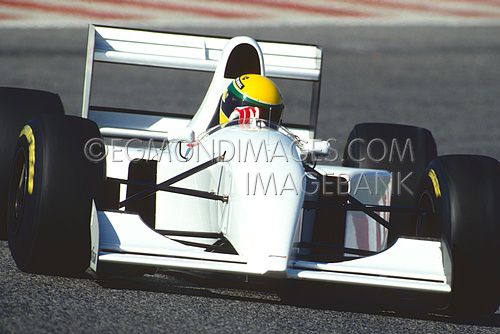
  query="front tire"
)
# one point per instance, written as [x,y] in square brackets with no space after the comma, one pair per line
[462,192]
[50,195]
[17,107]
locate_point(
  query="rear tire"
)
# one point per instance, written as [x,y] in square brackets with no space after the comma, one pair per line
[17,107]
[49,206]
[463,194]
[375,145]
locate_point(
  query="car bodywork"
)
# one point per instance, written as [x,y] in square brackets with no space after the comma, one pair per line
[225,208]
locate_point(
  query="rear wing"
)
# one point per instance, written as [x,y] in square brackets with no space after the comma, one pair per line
[190,52]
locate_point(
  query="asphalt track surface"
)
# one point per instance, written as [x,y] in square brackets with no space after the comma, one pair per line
[445,79]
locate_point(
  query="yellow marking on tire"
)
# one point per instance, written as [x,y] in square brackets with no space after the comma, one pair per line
[435,182]
[27,131]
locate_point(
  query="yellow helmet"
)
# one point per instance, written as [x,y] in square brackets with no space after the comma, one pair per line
[252,90]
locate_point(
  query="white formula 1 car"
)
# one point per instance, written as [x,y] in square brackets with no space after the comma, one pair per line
[251,199]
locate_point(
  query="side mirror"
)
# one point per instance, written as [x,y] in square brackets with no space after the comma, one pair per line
[316,147]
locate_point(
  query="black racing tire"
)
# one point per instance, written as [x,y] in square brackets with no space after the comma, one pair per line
[49,204]
[463,194]
[375,146]
[17,107]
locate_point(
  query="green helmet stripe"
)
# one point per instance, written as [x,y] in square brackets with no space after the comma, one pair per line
[237,93]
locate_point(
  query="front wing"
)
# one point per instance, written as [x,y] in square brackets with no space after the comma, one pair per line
[412,264]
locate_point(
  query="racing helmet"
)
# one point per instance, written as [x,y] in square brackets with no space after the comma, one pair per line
[252,90]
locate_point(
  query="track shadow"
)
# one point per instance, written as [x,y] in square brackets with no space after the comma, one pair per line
[398,304]
[339,298]
[187,285]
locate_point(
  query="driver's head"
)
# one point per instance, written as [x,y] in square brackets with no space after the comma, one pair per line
[252,90]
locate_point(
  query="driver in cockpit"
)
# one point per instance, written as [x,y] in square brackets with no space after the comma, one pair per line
[251,97]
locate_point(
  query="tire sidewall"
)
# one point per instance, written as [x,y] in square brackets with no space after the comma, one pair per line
[440,198]
[22,242]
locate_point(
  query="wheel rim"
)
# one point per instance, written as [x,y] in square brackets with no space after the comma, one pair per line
[21,189]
